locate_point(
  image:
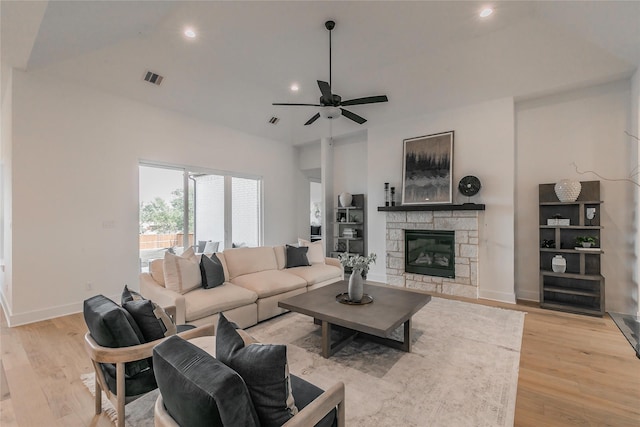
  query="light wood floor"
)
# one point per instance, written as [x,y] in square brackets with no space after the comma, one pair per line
[574,370]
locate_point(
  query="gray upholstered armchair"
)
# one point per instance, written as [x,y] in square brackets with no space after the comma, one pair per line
[120,355]
[197,389]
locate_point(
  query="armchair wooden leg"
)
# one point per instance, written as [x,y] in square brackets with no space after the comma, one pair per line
[341,414]
[98,393]
[120,393]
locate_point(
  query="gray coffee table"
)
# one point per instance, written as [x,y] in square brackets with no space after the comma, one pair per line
[391,307]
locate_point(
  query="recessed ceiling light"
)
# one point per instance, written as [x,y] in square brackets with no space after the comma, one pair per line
[190,33]
[486,12]
[295,87]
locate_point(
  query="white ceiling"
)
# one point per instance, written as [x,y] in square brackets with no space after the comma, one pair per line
[425,56]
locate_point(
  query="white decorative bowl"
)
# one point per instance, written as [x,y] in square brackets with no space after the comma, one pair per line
[568,190]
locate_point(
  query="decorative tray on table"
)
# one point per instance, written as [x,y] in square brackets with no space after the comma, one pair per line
[343,298]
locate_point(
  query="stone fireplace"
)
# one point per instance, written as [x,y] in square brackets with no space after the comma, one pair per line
[462,220]
[430,252]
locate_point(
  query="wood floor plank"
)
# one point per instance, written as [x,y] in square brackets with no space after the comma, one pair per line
[574,371]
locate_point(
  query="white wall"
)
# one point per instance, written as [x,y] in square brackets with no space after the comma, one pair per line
[586,127]
[635,165]
[484,147]
[75,204]
[6,145]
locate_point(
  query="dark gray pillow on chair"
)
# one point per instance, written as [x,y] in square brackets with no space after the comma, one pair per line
[199,390]
[263,368]
[112,326]
[152,320]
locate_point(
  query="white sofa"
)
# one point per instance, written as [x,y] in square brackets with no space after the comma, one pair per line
[255,280]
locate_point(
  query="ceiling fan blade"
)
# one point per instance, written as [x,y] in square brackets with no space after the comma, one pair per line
[366,100]
[325,89]
[304,105]
[313,119]
[353,116]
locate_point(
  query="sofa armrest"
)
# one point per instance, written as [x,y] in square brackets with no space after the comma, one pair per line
[164,297]
[335,262]
[321,406]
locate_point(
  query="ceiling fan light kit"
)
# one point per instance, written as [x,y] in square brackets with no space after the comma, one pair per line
[331,103]
[330,112]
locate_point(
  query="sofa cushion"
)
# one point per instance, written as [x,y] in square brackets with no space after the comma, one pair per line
[199,390]
[270,282]
[281,256]
[181,273]
[316,273]
[315,255]
[304,393]
[112,326]
[242,261]
[296,256]
[211,271]
[157,271]
[265,371]
[153,321]
[201,302]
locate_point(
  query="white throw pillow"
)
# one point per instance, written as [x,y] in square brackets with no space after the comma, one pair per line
[315,254]
[182,273]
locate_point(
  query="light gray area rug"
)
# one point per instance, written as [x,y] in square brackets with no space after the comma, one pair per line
[462,371]
[138,413]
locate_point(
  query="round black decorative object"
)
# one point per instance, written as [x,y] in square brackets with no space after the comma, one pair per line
[469,185]
[344,299]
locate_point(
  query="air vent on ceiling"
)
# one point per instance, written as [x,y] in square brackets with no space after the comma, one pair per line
[152,77]
[274,120]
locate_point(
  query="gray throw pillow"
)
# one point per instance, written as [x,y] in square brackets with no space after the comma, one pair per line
[264,369]
[153,321]
[212,271]
[297,256]
[199,390]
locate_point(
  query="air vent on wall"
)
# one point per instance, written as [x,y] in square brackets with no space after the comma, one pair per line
[274,120]
[152,77]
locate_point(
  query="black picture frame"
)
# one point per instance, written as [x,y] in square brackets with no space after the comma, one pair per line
[427,169]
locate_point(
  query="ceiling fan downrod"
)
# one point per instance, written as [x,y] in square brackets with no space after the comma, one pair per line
[330,25]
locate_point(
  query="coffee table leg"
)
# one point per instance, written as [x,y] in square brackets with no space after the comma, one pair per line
[408,335]
[329,349]
[326,339]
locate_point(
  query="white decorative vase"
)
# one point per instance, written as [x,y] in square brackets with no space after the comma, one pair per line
[356,286]
[345,199]
[559,264]
[567,190]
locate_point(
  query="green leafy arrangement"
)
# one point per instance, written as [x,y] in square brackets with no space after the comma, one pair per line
[358,262]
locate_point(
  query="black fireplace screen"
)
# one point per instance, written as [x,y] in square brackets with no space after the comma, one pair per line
[430,252]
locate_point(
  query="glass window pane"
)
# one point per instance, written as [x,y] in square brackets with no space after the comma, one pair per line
[161,212]
[245,211]
[209,209]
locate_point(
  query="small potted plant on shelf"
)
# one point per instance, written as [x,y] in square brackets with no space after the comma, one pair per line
[586,241]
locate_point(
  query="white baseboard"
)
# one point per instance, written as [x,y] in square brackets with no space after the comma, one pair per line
[5,308]
[497,296]
[379,278]
[528,295]
[45,314]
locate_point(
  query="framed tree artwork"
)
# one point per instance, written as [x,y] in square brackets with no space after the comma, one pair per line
[427,169]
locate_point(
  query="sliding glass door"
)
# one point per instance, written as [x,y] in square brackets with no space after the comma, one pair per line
[181,207]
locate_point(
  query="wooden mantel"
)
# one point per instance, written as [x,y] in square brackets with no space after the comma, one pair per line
[434,207]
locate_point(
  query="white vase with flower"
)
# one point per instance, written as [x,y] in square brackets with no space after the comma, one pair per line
[359,268]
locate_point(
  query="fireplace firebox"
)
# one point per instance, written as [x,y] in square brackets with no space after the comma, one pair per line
[430,252]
